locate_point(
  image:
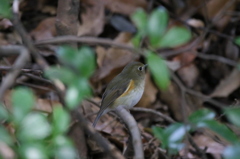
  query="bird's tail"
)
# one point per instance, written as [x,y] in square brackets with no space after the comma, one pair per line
[100,113]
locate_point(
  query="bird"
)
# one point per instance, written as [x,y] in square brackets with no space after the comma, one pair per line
[126,89]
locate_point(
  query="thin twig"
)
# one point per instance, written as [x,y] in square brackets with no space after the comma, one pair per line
[24,56]
[8,68]
[167,118]
[88,40]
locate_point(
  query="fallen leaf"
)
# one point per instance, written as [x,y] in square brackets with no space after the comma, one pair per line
[45,29]
[92,18]
[189,74]
[125,7]
[227,85]
[5,24]
[114,57]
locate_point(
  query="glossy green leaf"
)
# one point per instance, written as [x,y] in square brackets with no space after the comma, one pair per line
[5,8]
[61,120]
[4,115]
[175,36]
[157,25]
[79,90]
[85,61]
[159,70]
[201,115]
[140,20]
[5,136]
[34,127]
[232,152]
[23,101]
[233,114]
[33,151]
[220,129]
[237,40]
[62,73]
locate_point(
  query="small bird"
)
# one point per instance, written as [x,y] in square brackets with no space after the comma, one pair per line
[126,89]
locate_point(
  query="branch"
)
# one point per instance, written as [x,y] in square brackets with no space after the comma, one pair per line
[170,120]
[88,40]
[24,56]
[103,143]
[133,128]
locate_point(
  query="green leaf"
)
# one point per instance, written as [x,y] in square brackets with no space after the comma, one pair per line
[23,101]
[63,148]
[5,137]
[175,36]
[79,90]
[63,74]
[61,120]
[157,25]
[176,132]
[237,40]
[66,152]
[159,70]
[172,136]
[201,115]
[85,61]
[159,133]
[232,152]
[220,129]
[67,54]
[5,8]
[140,20]
[136,40]
[233,114]
[33,151]
[4,115]
[34,127]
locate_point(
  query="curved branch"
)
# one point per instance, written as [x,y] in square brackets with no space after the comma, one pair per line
[133,129]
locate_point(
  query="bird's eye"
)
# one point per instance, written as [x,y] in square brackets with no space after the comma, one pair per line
[140,68]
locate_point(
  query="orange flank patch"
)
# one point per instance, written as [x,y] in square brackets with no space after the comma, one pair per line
[130,87]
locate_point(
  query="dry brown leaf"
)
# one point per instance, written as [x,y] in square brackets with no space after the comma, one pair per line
[215,8]
[45,29]
[189,74]
[3,40]
[203,141]
[5,24]
[227,85]
[45,105]
[92,18]
[185,58]
[114,58]
[124,6]
[149,95]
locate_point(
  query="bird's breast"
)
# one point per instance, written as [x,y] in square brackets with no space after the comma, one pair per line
[131,96]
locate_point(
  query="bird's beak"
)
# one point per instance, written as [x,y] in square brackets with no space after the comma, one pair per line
[145,66]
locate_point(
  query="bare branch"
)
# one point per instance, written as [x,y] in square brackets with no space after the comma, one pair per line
[24,56]
[133,128]
[169,119]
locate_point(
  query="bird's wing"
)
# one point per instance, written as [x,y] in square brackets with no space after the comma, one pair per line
[110,95]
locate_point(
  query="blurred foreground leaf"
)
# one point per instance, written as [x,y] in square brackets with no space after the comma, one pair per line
[233,114]
[159,70]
